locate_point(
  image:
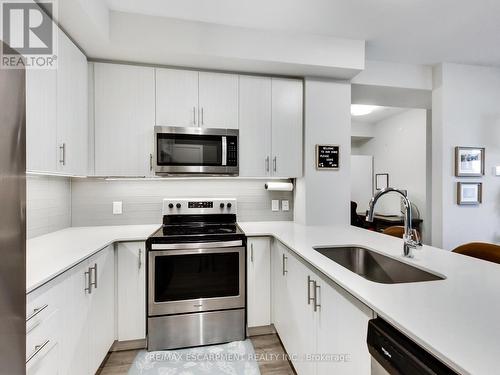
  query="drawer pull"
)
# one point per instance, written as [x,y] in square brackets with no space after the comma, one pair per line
[37,350]
[35,312]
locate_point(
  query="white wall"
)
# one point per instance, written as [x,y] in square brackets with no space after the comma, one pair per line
[323,197]
[399,149]
[48,204]
[466,112]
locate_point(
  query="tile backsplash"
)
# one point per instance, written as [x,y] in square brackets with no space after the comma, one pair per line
[92,199]
[48,204]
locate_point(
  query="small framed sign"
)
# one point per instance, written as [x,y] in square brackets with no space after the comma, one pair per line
[381,181]
[469,193]
[327,156]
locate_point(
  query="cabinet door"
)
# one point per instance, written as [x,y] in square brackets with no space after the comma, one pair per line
[255,126]
[259,282]
[102,306]
[41,120]
[131,291]
[176,97]
[72,93]
[286,127]
[124,119]
[301,335]
[342,323]
[75,340]
[218,100]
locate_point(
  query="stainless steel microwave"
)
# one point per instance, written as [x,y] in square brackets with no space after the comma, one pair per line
[180,150]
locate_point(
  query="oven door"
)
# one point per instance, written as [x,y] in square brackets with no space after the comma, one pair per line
[194,280]
[195,150]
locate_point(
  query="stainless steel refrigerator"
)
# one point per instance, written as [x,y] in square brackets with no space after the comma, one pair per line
[12,222]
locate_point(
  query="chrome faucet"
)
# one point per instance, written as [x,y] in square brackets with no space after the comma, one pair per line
[410,237]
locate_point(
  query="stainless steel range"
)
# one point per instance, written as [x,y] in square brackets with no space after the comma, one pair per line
[196,275]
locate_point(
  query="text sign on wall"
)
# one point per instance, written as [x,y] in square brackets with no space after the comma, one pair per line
[327,156]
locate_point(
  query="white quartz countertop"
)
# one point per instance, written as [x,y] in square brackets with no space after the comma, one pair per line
[50,255]
[456,319]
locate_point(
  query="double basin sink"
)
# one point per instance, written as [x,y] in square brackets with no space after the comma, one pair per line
[374,266]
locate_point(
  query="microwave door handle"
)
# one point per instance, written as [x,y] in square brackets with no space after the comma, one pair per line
[224,150]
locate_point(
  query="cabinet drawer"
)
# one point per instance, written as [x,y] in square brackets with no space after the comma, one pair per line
[41,304]
[42,346]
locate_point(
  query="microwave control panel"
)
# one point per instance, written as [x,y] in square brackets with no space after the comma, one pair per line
[232,151]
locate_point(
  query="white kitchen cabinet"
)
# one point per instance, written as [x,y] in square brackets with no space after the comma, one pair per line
[102,306]
[255,126]
[259,281]
[287,131]
[176,97]
[124,119]
[131,288]
[72,94]
[41,120]
[342,323]
[218,100]
[338,325]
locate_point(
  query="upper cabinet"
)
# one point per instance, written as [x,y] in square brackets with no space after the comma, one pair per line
[218,100]
[124,106]
[72,112]
[270,118]
[56,114]
[176,97]
[191,98]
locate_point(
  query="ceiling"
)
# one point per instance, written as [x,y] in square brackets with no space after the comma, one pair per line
[410,31]
[379,114]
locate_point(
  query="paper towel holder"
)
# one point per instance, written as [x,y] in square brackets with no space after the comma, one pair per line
[278,186]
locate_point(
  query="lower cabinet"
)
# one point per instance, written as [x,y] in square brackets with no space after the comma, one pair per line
[259,281]
[322,327]
[131,287]
[70,320]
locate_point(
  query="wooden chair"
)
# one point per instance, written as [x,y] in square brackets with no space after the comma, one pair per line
[480,250]
[394,231]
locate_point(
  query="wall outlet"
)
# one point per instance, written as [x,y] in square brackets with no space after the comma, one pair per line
[275,205]
[497,170]
[285,205]
[117,208]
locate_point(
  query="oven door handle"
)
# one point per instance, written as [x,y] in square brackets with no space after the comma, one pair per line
[195,245]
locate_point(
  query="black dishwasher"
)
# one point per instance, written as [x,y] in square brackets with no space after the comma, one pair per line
[394,353]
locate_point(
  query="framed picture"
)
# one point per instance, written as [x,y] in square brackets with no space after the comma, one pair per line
[469,161]
[327,157]
[469,193]
[381,181]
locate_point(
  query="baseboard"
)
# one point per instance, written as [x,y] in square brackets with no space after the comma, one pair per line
[128,345]
[261,330]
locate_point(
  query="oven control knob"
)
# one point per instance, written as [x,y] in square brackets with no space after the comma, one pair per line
[229,205]
[170,205]
[178,205]
[221,205]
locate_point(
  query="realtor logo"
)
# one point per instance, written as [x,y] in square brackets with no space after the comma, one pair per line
[28,30]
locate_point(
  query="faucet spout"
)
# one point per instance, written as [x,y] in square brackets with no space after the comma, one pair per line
[410,237]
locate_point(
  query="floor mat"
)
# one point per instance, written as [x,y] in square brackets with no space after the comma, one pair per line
[234,358]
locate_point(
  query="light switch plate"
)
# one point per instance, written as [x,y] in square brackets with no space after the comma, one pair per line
[497,170]
[117,208]
[275,205]
[285,205]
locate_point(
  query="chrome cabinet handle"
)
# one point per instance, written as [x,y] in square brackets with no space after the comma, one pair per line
[94,283]
[274,164]
[62,158]
[267,164]
[202,117]
[88,285]
[194,115]
[251,252]
[36,311]
[37,350]
[150,162]
[316,289]
[140,258]
[284,264]
[309,281]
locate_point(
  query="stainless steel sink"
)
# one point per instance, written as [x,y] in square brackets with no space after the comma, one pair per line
[374,266]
